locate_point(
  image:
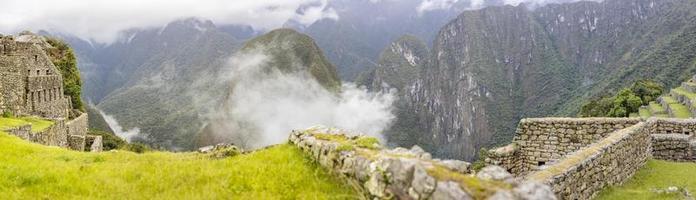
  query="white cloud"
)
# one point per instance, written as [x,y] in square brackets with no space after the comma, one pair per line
[266,104]
[428,5]
[103,19]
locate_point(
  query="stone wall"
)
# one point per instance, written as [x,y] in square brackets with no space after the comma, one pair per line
[78,126]
[543,141]
[673,147]
[610,161]
[31,84]
[53,136]
[94,143]
[409,174]
[673,139]
[70,134]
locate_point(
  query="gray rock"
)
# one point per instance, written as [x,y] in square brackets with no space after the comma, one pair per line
[533,190]
[501,195]
[494,172]
[376,184]
[457,165]
[422,185]
[448,191]
[401,171]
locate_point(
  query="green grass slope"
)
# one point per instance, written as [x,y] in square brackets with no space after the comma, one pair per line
[33,171]
[655,175]
[38,125]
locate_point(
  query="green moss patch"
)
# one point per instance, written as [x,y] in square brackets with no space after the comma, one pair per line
[479,189]
[348,144]
[33,171]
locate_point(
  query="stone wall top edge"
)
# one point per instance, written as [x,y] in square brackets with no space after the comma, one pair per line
[672,120]
[589,119]
[670,136]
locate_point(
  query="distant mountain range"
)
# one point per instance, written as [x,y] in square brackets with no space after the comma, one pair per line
[489,68]
[465,77]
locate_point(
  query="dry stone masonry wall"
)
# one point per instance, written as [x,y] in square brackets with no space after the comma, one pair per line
[673,139]
[543,141]
[409,174]
[70,134]
[610,161]
[578,157]
[32,85]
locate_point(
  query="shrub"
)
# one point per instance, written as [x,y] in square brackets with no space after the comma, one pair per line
[64,59]
[136,147]
[7,114]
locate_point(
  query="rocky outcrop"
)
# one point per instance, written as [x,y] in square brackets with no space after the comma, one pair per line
[408,174]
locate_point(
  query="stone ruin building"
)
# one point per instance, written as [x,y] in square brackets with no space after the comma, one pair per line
[30,85]
[578,157]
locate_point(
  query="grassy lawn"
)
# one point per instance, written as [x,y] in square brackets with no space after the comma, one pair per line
[644,112]
[655,174]
[684,92]
[37,124]
[656,108]
[680,111]
[33,171]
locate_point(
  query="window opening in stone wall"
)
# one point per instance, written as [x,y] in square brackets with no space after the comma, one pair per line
[36,58]
[29,72]
[541,163]
[669,131]
[38,72]
[687,133]
[48,72]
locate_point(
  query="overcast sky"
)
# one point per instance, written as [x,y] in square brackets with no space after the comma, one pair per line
[101,20]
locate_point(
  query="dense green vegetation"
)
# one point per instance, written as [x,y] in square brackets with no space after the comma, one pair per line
[64,59]
[288,48]
[33,171]
[655,175]
[627,101]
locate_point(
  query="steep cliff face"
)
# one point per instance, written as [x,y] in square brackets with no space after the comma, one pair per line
[491,67]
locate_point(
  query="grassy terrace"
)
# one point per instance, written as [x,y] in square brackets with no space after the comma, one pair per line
[680,111]
[656,108]
[33,171]
[683,92]
[643,112]
[655,175]
[37,124]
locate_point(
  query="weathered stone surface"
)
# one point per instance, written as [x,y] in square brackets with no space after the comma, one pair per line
[423,184]
[31,84]
[395,173]
[495,173]
[534,190]
[451,190]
